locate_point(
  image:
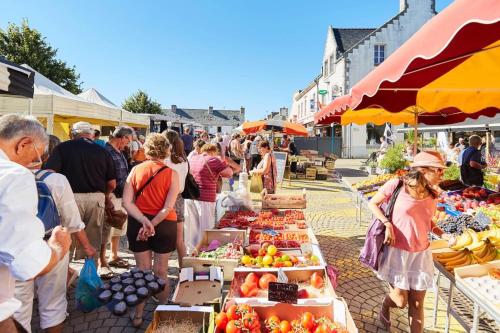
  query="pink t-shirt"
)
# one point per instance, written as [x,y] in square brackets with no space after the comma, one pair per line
[205,170]
[411,218]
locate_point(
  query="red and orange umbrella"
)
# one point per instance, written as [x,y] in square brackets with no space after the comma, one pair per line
[274,125]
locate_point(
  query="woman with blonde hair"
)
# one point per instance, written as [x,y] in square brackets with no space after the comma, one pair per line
[149,197]
[206,169]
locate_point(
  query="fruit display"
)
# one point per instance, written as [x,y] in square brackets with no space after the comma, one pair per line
[215,250]
[491,212]
[255,284]
[128,289]
[267,255]
[282,239]
[243,318]
[457,224]
[471,239]
[274,219]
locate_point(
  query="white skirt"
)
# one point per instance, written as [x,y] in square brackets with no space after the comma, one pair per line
[406,270]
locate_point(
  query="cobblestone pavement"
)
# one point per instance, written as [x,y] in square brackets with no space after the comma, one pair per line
[331,213]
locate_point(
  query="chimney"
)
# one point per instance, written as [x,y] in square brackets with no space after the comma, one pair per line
[402,5]
[174,108]
[242,113]
[210,111]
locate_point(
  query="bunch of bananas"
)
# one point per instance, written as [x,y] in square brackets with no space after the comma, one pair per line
[473,240]
[472,248]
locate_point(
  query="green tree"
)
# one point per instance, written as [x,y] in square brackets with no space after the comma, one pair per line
[24,45]
[140,102]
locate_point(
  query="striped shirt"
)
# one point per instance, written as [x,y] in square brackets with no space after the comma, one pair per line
[206,170]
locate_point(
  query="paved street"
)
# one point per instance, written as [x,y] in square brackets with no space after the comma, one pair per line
[331,213]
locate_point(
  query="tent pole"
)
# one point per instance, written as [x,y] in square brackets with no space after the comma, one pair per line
[415,134]
[488,143]
[30,106]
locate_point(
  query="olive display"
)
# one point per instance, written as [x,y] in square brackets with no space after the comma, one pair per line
[153,287]
[149,278]
[120,308]
[119,296]
[129,290]
[105,296]
[142,292]
[132,300]
[140,283]
[128,281]
[116,287]
[162,283]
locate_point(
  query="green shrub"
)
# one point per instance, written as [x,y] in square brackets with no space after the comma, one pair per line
[452,172]
[393,160]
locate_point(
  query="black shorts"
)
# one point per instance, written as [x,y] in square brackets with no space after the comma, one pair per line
[164,240]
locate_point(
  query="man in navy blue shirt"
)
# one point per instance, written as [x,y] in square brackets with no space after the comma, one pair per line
[472,163]
[187,139]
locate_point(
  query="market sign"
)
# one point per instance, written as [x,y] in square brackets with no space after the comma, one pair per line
[323,92]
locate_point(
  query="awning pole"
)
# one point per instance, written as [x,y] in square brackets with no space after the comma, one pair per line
[415,133]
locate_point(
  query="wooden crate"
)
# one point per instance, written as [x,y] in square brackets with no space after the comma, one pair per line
[281,201]
[330,165]
[311,173]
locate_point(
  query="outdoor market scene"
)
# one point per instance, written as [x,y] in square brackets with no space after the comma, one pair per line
[369,201]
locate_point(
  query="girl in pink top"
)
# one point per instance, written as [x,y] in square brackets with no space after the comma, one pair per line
[406,263]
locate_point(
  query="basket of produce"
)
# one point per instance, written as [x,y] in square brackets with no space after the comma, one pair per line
[313,285]
[222,248]
[182,319]
[268,255]
[282,239]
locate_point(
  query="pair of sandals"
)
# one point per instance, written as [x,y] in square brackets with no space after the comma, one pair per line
[106,273]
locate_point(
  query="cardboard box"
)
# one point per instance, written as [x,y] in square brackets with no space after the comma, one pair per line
[299,275]
[199,287]
[203,315]
[225,237]
[336,310]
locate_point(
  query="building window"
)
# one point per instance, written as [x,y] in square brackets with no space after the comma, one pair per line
[332,64]
[325,68]
[379,54]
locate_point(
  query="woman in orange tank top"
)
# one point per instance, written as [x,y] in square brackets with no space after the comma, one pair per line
[149,198]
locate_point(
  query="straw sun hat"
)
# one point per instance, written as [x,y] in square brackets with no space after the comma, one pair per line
[428,159]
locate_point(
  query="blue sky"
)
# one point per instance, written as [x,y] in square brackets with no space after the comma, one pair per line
[196,53]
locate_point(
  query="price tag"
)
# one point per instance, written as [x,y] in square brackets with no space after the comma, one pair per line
[283,292]
[270,232]
[482,219]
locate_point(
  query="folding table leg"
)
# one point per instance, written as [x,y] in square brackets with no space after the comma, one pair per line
[448,307]
[475,319]
[436,300]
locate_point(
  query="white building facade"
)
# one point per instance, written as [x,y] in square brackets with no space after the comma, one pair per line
[349,55]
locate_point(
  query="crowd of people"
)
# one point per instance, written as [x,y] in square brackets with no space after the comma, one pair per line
[103,190]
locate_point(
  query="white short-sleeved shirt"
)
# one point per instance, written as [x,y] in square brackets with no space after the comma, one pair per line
[182,171]
[23,252]
[65,202]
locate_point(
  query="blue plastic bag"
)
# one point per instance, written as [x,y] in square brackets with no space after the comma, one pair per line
[88,287]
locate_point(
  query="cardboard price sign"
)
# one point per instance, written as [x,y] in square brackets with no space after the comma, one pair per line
[482,219]
[283,292]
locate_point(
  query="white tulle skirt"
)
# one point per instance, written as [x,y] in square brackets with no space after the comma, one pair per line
[407,270]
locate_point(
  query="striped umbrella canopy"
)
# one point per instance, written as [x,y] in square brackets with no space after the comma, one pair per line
[274,125]
[16,80]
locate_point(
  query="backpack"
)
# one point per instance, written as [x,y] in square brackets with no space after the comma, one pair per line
[47,209]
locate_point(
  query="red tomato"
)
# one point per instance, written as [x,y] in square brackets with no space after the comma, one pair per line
[252,278]
[273,319]
[248,290]
[233,326]
[307,320]
[316,280]
[221,320]
[265,279]
[232,313]
[251,321]
[244,309]
[323,328]
[285,326]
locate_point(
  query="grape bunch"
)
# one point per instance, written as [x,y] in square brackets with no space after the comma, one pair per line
[456,224]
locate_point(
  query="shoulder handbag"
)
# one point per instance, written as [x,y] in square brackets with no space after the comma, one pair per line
[191,188]
[374,241]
